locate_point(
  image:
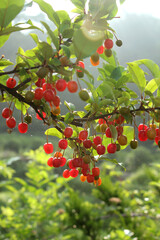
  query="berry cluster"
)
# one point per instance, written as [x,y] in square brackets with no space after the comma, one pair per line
[106,49]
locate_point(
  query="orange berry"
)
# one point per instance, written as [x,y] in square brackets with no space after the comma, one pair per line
[83,178]
[57,154]
[98,182]
[94,63]
[55,110]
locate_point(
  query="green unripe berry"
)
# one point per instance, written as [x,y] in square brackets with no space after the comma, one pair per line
[84,95]
[29,96]
[80,74]
[108,52]
[119,43]
[42,72]
[118,147]
[95,57]
[28,119]
[134,144]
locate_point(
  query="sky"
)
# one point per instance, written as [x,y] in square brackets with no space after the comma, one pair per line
[130,6]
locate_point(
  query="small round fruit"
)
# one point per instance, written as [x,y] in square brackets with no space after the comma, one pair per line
[48,147]
[38,117]
[63,161]
[108,52]
[95,171]
[80,64]
[22,127]
[83,178]
[98,182]
[57,154]
[101,149]
[134,144]
[86,159]
[40,82]
[38,94]
[72,86]
[11,82]
[97,140]
[83,135]
[50,162]
[101,121]
[118,147]
[142,127]
[103,127]
[151,133]
[119,43]
[100,50]
[56,101]
[95,57]
[122,140]
[29,96]
[87,143]
[108,43]
[62,143]
[108,133]
[6,112]
[68,132]
[90,178]
[49,95]
[112,148]
[61,85]
[142,135]
[56,162]
[66,173]
[42,72]
[28,119]
[94,63]
[74,173]
[11,122]
[119,130]
[80,74]
[84,95]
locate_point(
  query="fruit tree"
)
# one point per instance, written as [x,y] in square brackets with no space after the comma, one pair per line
[108,122]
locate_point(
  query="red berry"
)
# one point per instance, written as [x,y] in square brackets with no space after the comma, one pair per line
[22,127]
[97,140]
[46,86]
[83,135]
[63,144]
[72,86]
[11,82]
[38,94]
[61,85]
[74,173]
[70,164]
[66,173]
[6,112]
[100,50]
[48,148]
[101,121]
[112,148]
[158,132]
[108,43]
[142,127]
[56,162]
[157,139]
[95,171]
[108,133]
[87,143]
[40,82]
[101,149]
[120,119]
[56,101]
[38,117]
[110,122]
[77,162]
[90,178]
[80,64]
[142,135]
[49,95]
[50,162]
[63,161]
[11,122]
[68,132]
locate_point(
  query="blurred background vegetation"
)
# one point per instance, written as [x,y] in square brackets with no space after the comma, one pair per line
[37,203]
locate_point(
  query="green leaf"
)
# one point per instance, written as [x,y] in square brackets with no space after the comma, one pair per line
[53,132]
[111,60]
[113,161]
[70,106]
[138,76]
[102,8]
[54,38]
[3,39]
[86,42]
[35,37]
[80,4]
[4,63]
[9,10]
[44,49]
[63,16]
[105,90]
[151,65]
[47,8]
[114,132]
[69,117]
[117,73]
[10,30]
[66,51]
[153,85]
